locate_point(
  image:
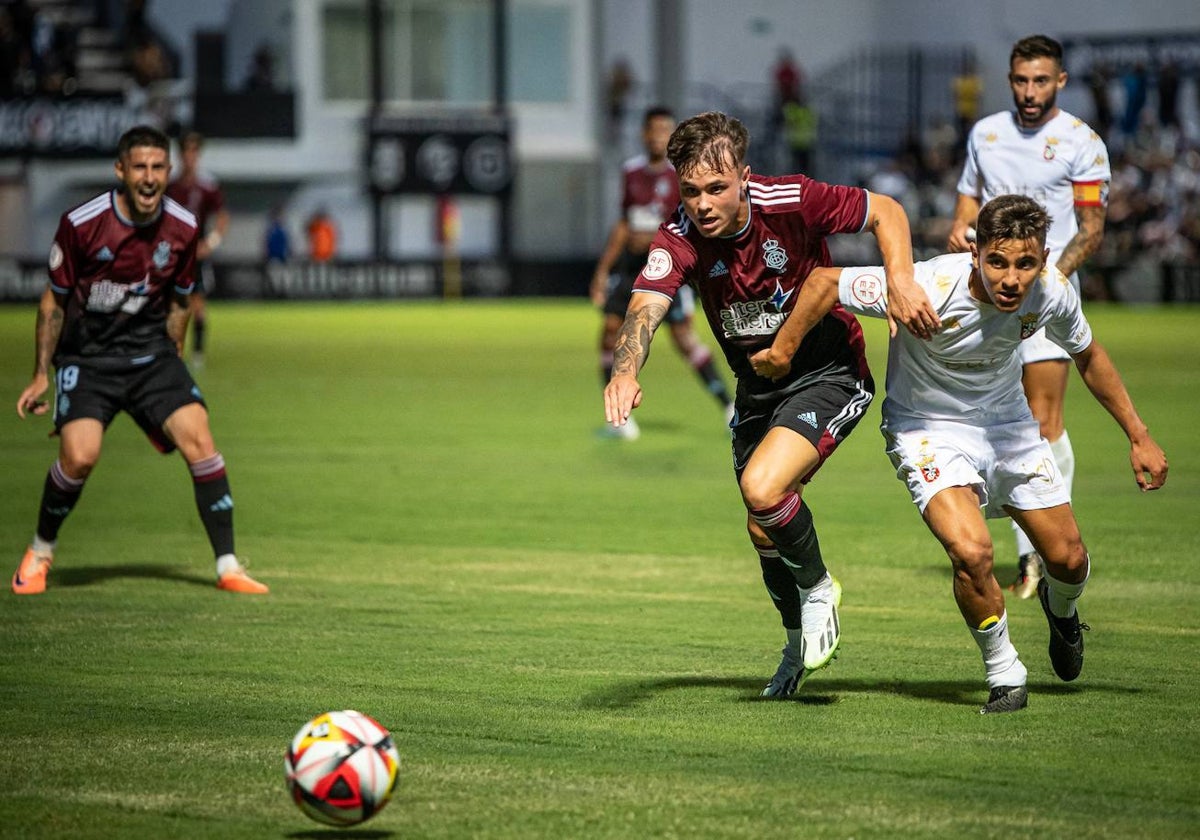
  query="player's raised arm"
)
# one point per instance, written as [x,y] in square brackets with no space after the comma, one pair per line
[1100,375]
[623,393]
[907,302]
[817,296]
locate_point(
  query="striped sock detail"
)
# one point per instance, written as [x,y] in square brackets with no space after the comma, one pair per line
[778,515]
[700,356]
[62,481]
[208,469]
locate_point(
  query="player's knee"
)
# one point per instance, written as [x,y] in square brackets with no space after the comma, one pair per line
[78,463]
[759,491]
[971,558]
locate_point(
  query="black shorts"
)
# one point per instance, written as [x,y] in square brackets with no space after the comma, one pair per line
[149,393]
[823,413]
[620,290]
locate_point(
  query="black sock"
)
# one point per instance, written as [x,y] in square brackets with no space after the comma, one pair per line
[789,524]
[707,372]
[781,585]
[214,502]
[198,328]
[59,495]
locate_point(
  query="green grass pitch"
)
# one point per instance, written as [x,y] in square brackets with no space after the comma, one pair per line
[567,634]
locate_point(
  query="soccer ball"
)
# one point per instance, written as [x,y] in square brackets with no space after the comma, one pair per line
[342,768]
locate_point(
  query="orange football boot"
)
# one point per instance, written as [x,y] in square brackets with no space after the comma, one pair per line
[238,581]
[30,577]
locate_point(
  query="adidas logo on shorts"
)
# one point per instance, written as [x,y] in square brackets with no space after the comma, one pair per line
[809,417]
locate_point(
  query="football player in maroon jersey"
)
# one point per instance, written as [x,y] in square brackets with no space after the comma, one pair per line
[200,192]
[112,322]
[746,243]
[649,195]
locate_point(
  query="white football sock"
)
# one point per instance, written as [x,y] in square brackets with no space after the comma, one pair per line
[1064,456]
[227,563]
[1062,596]
[41,546]
[1000,659]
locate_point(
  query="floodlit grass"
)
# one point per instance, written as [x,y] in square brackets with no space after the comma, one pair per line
[567,634]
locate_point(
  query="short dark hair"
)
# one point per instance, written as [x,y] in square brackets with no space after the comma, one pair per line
[1036,46]
[712,138]
[191,138]
[142,135]
[656,111]
[1011,217]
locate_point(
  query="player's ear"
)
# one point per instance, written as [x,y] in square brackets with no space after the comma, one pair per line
[1062,79]
[746,175]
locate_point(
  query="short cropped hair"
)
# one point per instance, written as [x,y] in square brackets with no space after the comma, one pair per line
[656,111]
[1011,217]
[1036,46]
[142,135]
[713,139]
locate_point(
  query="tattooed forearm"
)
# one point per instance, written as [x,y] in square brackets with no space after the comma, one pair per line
[49,327]
[633,341]
[1085,242]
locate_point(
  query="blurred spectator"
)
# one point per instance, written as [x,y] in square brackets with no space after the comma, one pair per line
[146,54]
[800,134]
[1168,95]
[261,77]
[322,236]
[968,93]
[277,242]
[789,79]
[1102,112]
[620,85]
[1134,81]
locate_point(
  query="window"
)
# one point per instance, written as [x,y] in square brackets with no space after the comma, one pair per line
[442,51]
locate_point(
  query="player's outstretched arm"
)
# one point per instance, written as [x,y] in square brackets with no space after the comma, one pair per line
[49,327]
[1100,375]
[623,393]
[818,294]
[908,304]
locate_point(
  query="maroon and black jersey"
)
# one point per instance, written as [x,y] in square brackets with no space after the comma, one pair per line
[650,194]
[118,279]
[747,283]
[201,195]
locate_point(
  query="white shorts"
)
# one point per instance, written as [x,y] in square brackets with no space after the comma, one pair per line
[1038,348]
[1006,464]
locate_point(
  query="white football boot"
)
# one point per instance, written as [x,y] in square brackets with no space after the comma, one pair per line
[819,622]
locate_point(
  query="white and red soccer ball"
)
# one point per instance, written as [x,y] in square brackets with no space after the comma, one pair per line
[342,768]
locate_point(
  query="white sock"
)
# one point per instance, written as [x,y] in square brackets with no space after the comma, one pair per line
[1062,596]
[41,546]
[1024,546]
[227,563]
[1000,659]
[1064,456]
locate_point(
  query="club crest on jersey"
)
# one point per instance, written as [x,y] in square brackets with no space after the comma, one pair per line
[162,255]
[1048,152]
[1028,325]
[774,256]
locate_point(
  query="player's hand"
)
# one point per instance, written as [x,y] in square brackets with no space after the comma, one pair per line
[909,305]
[621,396]
[31,398]
[770,364]
[597,291]
[961,237]
[1149,464]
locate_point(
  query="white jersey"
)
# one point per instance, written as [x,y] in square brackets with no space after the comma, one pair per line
[970,370]
[1060,165]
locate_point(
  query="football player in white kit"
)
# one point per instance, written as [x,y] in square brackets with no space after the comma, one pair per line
[960,433]
[1041,151]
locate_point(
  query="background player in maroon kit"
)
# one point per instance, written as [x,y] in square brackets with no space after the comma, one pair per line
[113,321]
[199,192]
[746,243]
[649,195]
